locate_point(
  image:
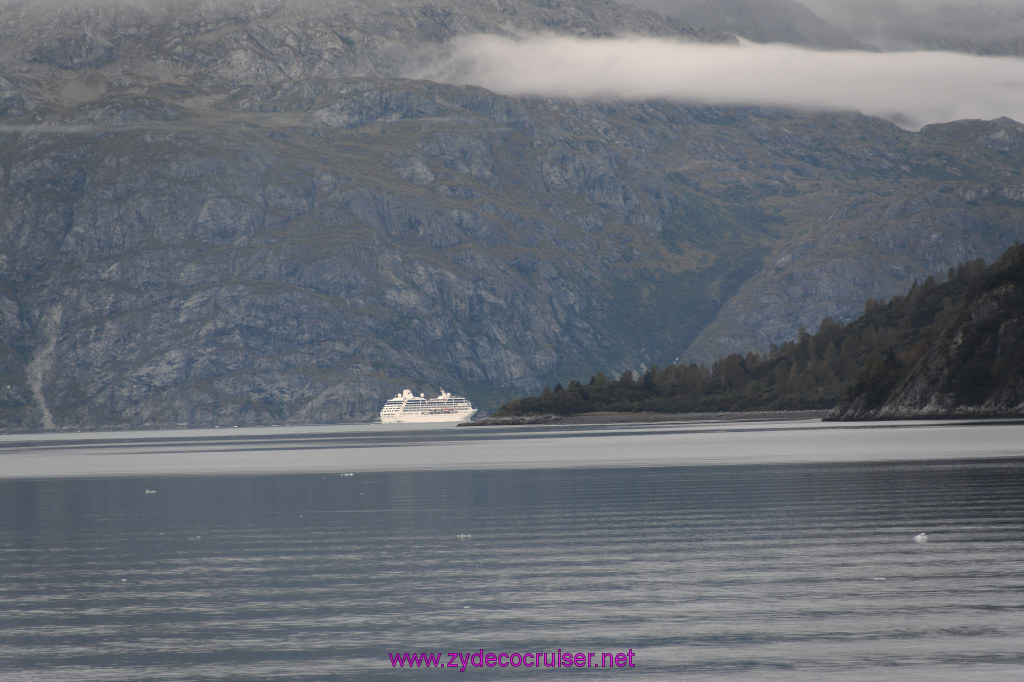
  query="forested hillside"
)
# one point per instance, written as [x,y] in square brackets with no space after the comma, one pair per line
[955,348]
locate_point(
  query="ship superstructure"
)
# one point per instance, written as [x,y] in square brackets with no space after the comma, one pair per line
[406,408]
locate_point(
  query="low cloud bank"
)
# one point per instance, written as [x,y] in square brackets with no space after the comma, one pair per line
[910,88]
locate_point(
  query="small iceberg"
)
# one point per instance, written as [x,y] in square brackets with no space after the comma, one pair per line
[921,537]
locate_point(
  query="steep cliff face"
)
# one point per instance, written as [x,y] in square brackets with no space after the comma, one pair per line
[975,364]
[241,214]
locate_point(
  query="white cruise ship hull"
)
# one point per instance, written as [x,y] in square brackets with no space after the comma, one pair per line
[424,418]
[406,408]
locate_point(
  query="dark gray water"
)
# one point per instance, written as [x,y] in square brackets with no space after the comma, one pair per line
[760,571]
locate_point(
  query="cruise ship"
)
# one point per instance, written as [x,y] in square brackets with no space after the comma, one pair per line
[406,408]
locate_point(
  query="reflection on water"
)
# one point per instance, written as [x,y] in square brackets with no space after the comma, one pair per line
[780,571]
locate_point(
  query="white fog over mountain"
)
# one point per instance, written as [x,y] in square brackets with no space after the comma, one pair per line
[910,88]
[914,62]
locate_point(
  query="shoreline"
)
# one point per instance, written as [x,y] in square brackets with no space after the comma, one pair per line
[599,418]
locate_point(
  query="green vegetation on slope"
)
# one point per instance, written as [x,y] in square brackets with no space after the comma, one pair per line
[860,365]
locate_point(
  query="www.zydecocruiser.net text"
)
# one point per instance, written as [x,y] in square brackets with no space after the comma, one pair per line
[530,659]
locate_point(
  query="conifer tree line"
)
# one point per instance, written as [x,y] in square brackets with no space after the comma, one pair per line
[863,360]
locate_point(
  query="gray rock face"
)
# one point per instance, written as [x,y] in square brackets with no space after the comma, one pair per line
[867,248]
[763,21]
[240,215]
[979,27]
[991,27]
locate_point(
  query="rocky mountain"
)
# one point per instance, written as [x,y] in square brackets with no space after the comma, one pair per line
[990,27]
[763,21]
[242,213]
[986,27]
[872,247]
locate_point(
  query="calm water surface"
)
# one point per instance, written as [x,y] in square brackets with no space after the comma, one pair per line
[779,551]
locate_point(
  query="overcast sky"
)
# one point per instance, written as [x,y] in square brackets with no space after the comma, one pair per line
[911,88]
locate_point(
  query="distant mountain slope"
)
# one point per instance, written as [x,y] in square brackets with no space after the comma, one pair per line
[763,21]
[874,247]
[987,27]
[208,45]
[239,213]
[994,27]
